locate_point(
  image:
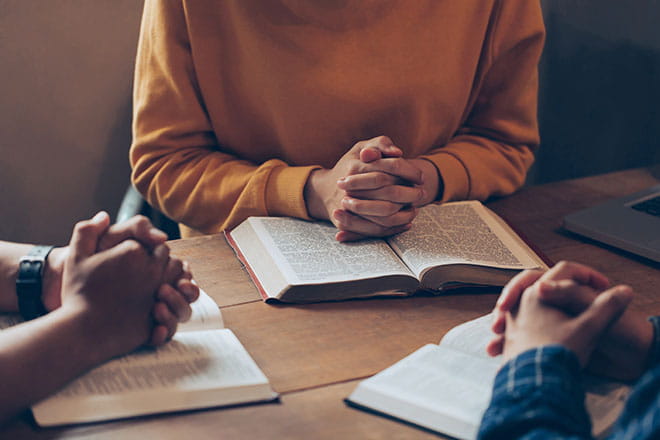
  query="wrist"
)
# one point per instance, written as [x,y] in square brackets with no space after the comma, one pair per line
[314,194]
[80,329]
[94,333]
[432,182]
[52,278]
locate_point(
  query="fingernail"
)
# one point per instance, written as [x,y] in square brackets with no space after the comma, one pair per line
[624,289]
[99,217]
[188,290]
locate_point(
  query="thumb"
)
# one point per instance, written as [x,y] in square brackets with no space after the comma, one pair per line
[604,311]
[86,235]
[370,154]
[373,153]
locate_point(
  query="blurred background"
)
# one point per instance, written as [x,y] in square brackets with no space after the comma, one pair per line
[66,69]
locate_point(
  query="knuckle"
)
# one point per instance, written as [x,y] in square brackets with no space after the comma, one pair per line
[383,141]
[406,217]
[356,205]
[134,248]
[354,167]
[389,222]
[142,221]
[394,193]
[359,146]
[381,179]
[162,252]
[392,208]
[177,265]
[82,226]
[345,223]
[395,167]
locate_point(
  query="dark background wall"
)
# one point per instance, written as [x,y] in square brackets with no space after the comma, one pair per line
[600,88]
[65,102]
[66,68]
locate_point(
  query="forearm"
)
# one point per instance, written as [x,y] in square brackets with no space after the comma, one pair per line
[473,167]
[40,356]
[211,191]
[492,150]
[538,394]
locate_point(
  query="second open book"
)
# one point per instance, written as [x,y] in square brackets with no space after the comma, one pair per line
[450,245]
[204,366]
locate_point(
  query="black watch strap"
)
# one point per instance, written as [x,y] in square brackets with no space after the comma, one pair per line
[29,282]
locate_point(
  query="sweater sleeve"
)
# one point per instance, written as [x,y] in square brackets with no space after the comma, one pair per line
[491,152]
[176,163]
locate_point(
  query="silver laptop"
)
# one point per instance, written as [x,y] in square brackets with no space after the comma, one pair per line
[631,223]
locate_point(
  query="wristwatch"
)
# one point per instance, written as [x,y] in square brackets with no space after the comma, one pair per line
[29,282]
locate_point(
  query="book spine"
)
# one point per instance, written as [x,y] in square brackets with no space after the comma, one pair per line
[528,242]
[243,260]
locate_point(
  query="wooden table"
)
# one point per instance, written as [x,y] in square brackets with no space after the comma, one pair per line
[314,355]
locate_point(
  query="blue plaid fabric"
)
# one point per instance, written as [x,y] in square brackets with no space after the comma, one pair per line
[538,395]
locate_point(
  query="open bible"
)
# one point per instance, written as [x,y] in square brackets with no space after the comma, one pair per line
[204,365]
[447,387]
[450,245]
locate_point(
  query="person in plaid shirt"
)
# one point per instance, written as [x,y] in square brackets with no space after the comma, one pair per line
[551,325]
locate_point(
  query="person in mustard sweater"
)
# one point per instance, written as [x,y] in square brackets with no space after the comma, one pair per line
[357,112]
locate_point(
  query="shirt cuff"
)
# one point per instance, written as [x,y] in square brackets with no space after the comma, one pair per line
[453,174]
[285,191]
[654,353]
[540,389]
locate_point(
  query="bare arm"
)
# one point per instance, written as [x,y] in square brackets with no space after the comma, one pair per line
[31,354]
[40,356]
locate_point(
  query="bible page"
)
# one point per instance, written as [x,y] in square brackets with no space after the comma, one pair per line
[471,336]
[460,233]
[206,315]
[438,388]
[604,399]
[194,370]
[307,252]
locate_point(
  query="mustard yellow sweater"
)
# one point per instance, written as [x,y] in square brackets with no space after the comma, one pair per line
[236,102]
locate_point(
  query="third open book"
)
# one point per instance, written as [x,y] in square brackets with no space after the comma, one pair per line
[450,245]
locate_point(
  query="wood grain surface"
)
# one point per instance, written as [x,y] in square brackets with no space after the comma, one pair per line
[315,354]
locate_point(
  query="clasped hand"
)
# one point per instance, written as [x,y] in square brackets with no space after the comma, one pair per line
[372,191]
[573,305]
[122,273]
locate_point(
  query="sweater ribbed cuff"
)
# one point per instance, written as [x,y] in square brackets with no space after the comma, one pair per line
[284,191]
[453,174]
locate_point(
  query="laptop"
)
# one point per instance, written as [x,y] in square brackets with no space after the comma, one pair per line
[631,223]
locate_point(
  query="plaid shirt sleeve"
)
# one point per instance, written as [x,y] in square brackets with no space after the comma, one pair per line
[538,395]
[654,354]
